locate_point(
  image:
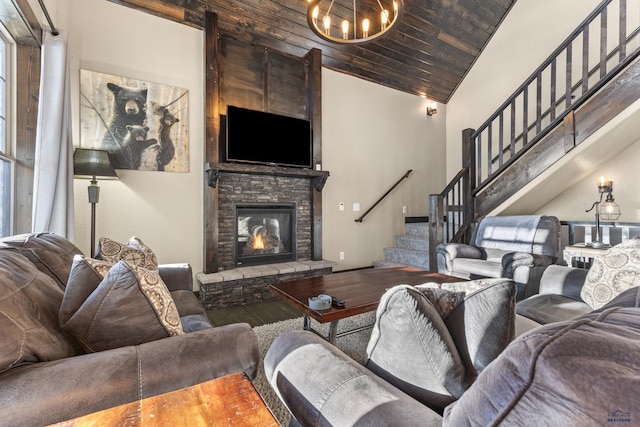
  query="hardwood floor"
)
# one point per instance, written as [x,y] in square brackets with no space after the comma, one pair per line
[256,314]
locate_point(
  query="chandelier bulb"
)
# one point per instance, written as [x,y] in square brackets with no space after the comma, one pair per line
[365,28]
[326,21]
[384,19]
[314,15]
[345,29]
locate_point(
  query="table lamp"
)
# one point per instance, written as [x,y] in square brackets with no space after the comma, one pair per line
[93,164]
[608,210]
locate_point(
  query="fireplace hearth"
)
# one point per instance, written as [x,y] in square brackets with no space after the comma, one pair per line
[265,233]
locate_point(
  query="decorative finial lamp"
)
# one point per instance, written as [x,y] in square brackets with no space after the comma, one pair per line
[607,210]
[93,164]
[374,19]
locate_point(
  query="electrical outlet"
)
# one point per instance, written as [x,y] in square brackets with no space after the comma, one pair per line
[341,206]
[341,256]
[356,207]
[404,209]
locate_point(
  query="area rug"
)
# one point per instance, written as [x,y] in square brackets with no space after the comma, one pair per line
[354,345]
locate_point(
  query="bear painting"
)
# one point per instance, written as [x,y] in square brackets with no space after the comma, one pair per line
[142,125]
[129,109]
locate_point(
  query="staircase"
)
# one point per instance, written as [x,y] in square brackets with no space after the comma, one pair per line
[580,88]
[412,247]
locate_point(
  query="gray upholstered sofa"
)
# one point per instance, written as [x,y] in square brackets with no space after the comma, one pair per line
[518,247]
[49,373]
[580,367]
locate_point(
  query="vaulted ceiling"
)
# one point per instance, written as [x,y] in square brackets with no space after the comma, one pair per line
[428,54]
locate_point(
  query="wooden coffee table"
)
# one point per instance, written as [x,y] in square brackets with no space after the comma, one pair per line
[224,401]
[360,289]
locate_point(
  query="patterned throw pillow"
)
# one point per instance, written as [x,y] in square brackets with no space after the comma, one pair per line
[134,252]
[108,306]
[612,273]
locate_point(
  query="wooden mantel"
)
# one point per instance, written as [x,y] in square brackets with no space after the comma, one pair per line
[213,170]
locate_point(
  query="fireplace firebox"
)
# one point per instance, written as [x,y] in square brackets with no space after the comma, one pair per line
[265,233]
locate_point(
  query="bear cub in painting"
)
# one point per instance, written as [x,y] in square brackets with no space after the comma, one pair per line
[129,109]
[129,157]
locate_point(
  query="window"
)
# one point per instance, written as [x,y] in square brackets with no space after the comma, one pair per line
[6,160]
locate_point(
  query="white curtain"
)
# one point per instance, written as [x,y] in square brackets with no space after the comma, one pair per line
[53,175]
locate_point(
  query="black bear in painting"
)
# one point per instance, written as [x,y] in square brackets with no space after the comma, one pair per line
[129,157]
[129,109]
[167,149]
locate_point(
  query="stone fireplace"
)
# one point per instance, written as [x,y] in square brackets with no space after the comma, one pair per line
[275,205]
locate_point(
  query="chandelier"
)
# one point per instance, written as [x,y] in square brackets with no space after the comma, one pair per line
[351,25]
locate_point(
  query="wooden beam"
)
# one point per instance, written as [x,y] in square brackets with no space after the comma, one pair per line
[212,127]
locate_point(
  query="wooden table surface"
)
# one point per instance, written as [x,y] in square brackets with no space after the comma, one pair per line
[360,289]
[226,401]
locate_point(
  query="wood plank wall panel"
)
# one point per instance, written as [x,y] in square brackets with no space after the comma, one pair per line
[288,89]
[428,54]
[242,75]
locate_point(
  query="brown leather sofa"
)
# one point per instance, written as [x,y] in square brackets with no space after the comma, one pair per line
[46,373]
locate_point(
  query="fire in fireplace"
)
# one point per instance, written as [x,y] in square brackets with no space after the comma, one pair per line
[265,233]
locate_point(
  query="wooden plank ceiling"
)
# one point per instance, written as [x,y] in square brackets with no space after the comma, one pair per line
[428,54]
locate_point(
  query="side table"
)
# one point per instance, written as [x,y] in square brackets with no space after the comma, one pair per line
[224,401]
[583,253]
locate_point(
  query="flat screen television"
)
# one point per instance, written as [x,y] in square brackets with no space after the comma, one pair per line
[267,138]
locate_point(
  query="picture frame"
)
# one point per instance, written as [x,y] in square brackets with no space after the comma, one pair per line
[143,125]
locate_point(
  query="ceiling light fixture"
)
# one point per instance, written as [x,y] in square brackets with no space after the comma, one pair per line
[387,16]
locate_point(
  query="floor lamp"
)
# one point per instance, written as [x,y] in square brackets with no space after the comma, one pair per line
[93,164]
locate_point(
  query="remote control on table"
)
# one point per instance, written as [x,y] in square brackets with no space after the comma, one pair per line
[337,302]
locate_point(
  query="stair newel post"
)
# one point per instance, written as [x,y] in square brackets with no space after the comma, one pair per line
[469,180]
[436,226]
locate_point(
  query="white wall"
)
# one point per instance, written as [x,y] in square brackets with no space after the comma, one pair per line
[164,209]
[372,136]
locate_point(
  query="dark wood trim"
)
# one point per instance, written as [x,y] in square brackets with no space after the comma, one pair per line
[212,116]
[28,82]
[314,109]
[19,19]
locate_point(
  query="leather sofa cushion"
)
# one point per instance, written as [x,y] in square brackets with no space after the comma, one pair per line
[49,252]
[434,358]
[617,270]
[29,304]
[129,306]
[566,373]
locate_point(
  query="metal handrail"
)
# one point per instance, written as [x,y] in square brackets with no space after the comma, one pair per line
[406,175]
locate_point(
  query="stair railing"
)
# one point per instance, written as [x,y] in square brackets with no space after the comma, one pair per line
[508,133]
[557,87]
[405,176]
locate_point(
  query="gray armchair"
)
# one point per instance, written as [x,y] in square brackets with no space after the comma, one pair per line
[517,247]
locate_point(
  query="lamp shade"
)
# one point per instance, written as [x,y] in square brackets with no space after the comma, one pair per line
[609,210]
[92,164]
